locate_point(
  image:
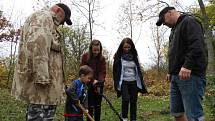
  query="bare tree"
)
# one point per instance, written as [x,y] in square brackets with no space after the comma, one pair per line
[160,42]
[209,39]
[128,18]
[9,34]
[76,42]
[132,16]
[87,8]
[108,78]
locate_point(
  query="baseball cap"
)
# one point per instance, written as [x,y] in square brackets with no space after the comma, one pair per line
[161,15]
[67,11]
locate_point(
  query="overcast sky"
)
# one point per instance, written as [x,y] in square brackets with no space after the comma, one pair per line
[107,17]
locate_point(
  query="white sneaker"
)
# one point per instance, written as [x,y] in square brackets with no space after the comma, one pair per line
[124,119]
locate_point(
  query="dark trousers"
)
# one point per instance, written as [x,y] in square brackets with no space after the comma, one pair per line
[74,118]
[129,95]
[37,112]
[94,103]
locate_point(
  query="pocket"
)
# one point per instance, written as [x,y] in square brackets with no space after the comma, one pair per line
[24,72]
[55,44]
[200,85]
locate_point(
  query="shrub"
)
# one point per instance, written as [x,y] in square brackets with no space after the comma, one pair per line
[4,77]
[210,95]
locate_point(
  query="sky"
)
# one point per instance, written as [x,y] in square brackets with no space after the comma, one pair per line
[106,18]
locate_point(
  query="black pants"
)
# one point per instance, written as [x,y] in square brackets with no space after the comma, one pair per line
[129,95]
[74,118]
[94,102]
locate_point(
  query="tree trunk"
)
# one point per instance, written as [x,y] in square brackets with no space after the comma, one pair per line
[131,19]
[90,21]
[209,39]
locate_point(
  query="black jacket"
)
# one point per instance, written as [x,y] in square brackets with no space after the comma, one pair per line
[117,67]
[187,47]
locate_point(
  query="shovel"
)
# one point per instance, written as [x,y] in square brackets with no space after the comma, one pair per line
[85,112]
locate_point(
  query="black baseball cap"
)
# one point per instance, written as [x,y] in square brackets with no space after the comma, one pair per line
[67,11]
[161,15]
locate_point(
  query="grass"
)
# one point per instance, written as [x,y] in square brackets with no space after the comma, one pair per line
[150,108]
[11,110]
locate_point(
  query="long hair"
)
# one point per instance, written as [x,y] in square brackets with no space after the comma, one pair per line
[95,42]
[119,51]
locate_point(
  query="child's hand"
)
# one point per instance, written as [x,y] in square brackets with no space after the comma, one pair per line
[95,81]
[77,102]
[87,111]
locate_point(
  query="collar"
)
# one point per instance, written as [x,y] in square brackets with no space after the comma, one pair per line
[180,18]
[55,18]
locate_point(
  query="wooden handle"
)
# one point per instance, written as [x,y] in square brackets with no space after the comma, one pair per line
[85,112]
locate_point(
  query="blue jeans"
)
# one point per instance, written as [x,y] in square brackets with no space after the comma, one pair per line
[186,96]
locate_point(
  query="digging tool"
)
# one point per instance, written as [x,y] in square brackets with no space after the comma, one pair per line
[111,106]
[85,112]
[98,90]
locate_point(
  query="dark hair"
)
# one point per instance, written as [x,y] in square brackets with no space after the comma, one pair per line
[95,42]
[119,51]
[85,69]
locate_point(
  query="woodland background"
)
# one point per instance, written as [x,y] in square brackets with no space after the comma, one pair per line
[151,107]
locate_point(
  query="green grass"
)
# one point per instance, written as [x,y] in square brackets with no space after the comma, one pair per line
[10,109]
[150,108]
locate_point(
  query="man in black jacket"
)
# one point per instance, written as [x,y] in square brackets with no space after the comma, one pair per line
[187,64]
